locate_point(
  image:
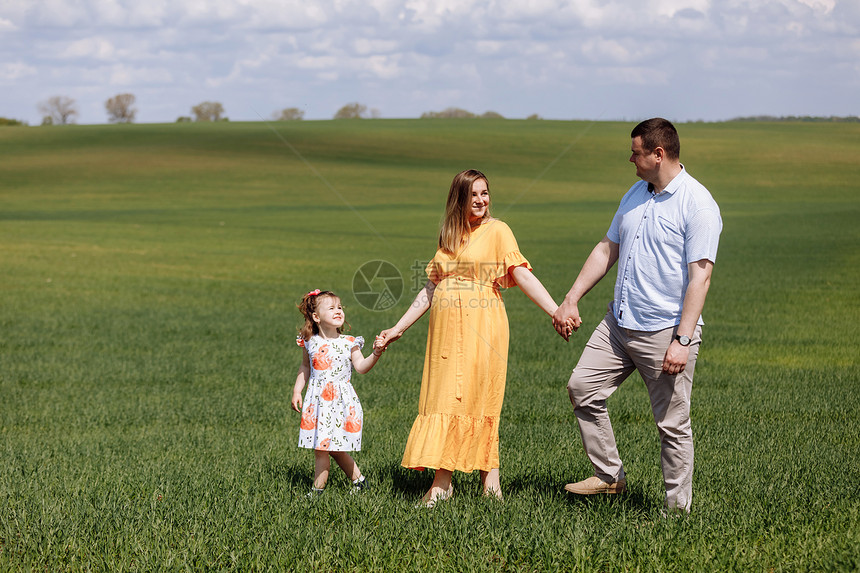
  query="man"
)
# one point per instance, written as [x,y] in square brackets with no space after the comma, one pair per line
[664,237]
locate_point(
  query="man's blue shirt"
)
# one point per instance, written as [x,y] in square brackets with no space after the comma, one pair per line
[658,236]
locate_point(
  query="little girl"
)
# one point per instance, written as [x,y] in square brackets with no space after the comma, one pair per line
[332,417]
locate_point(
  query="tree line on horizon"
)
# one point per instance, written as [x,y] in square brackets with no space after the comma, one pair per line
[63,110]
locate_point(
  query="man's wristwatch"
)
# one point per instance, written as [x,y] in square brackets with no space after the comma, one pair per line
[684,340]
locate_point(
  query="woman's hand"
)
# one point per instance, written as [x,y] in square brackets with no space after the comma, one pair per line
[386,337]
[416,310]
[297,402]
[566,319]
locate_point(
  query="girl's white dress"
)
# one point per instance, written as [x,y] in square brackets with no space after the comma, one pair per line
[332,417]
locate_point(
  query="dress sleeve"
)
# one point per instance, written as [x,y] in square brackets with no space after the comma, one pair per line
[357,341]
[436,268]
[509,256]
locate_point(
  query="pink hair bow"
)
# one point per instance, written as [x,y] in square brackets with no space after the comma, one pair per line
[313,292]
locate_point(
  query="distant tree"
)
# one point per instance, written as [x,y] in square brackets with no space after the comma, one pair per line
[351,111]
[805,118]
[208,111]
[451,112]
[183,119]
[375,113]
[61,110]
[7,121]
[534,116]
[492,115]
[119,108]
[289,114]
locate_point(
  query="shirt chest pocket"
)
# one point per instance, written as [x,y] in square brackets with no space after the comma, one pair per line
[669,232]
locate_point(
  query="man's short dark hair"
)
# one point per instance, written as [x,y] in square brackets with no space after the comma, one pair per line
[658,132]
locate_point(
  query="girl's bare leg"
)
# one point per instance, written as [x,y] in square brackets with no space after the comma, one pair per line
[321,467]
[347,464]
[490,481]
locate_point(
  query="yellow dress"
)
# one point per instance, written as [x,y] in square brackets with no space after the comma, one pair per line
[466,360]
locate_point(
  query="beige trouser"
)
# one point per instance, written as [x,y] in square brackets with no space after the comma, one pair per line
[611,355]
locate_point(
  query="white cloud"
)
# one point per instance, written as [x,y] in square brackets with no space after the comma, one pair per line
[16,70]
[239,70]
[98,48]
[316,62]
[606,51]
[322,54]
[489,47]
[669,8]
[825,6]
[129,76]
[384,67]
[634,76]
[366,46]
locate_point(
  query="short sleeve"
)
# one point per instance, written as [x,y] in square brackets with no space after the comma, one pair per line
[703,235]
[440,266]
[614,232]
[300,341]
[356,341]
[509,255]
[433,271]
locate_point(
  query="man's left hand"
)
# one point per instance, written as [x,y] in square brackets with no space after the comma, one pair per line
[676,357]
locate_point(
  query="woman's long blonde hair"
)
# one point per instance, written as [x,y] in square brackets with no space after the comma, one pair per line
[455,229]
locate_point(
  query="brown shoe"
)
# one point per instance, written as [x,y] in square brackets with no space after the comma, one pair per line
[595,485]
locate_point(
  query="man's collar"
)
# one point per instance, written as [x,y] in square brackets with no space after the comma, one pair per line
[672,185]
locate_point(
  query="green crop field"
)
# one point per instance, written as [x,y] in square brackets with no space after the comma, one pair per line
[148,282]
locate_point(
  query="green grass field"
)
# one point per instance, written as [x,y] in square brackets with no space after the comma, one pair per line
[148,282]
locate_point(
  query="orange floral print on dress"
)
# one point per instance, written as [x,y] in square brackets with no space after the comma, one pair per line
[322,361]
[329,392]
[352,424]
[309,421]
[335,422]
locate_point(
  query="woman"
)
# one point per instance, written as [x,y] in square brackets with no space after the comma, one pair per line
[465,364]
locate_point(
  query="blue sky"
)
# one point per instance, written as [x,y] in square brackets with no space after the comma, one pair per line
[561,59]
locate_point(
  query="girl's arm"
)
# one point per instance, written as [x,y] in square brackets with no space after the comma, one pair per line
[411,316]
[534,289]
[363,364]
[301,380]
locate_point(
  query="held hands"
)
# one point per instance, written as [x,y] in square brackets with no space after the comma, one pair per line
[378,345]
[386,337]
[566,319]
